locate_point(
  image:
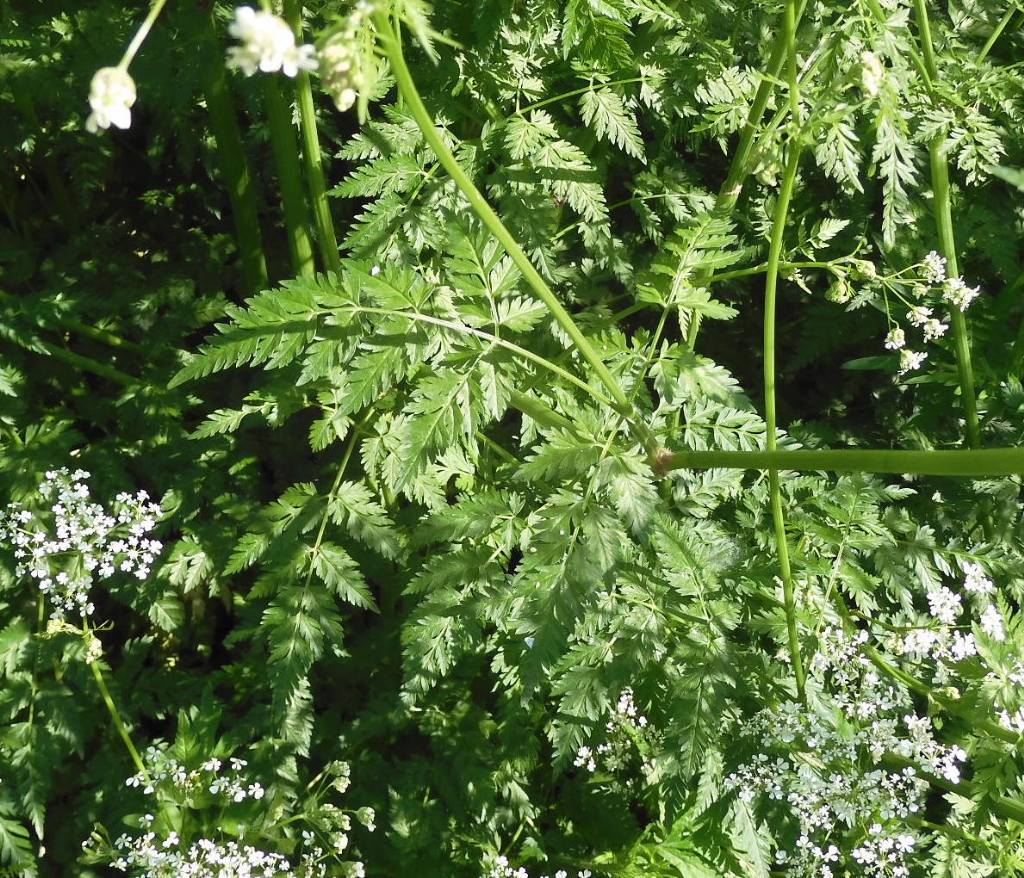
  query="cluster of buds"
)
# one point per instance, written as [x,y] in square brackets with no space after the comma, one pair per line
[341,67]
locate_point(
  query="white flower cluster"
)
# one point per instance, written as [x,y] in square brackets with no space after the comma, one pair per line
[79,541]
[341,66]
[211,778]
[111,97]
[954,292]
[150,856]
[946,606]
[626,727]
[267,44]
[500,868]
[836,777]
[881,854]
[217,784]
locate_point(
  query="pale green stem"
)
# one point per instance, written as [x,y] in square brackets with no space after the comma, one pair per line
[141,34]
[973,463]
[770,295]
[997,32]
[108,700]
[941,204]
[289,174]
[326,239]
[407,87]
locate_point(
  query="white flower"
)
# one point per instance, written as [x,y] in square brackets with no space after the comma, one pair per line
[944,605]
[268,44]
[963,646]
[958,294]
[975,580]
[871,72]
[919,315]
[934,329]
[896,339]
[911,360]
[111,95]
[934,268]
[992,623]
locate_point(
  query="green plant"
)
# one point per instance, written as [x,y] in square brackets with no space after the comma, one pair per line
[498,501]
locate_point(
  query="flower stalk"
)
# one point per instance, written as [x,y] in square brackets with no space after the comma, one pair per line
[770,296]
[973,463]
[326,239]
[941,206]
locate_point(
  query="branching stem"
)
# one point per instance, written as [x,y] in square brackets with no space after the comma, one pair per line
[391,44]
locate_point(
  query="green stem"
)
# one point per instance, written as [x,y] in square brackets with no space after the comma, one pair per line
[739,166]
[100,335]
[997,32]
[236,174]
[770,296]
[941,205]
[116,717]
[326,239]
[973,463]
[141,34]
[539,412]
[407,87]
[1002,806]
[525,353]
[85,363]
[289,174]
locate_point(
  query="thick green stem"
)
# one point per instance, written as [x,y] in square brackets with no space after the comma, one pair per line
[141,34]
[974,463]
[326,239]
[101,684]
[286,159]
[941,206]
[770,296]
[237,177]
[407,87]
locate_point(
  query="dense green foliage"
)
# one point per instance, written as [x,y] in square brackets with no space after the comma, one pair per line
[431,546]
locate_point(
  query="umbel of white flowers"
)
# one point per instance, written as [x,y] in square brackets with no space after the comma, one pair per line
[111,96]
[267,44]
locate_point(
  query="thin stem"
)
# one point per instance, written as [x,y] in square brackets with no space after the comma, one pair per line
[101,684]
[407,87]
[326,239]
[141,34]
[289,174]
[997,32]
[973,463]
[554,99]
[236,174]
[770,295]
[941,205]
[85,363]
[494,340]
[100,335]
